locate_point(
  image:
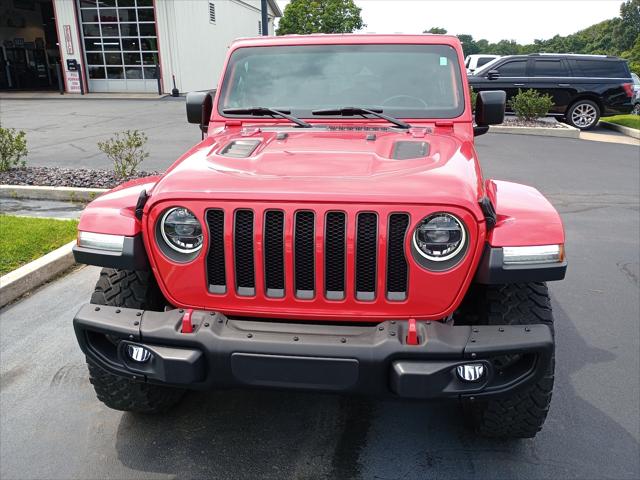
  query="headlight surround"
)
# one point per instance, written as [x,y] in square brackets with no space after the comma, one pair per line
[439,237]
[181,230]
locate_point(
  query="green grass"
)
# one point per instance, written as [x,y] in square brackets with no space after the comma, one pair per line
[25,239]
[631,121]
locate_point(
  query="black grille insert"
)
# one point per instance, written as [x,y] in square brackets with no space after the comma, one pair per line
[243,248]
[397,267]
[366,256]
[274,253]
[334,255]
[215,257]
[303,251]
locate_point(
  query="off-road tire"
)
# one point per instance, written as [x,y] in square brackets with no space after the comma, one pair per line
[523,414]
[129,289]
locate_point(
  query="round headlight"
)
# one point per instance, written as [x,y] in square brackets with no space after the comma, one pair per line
[439,237]
[181,230]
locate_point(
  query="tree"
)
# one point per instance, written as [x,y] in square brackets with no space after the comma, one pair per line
[436,30]
[320,16]
[469,46]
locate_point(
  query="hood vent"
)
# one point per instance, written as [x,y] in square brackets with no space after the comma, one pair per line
[357,129]
[240,148]
[406,150]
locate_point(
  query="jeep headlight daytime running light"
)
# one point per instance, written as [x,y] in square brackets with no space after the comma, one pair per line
[101,241]
[534,254]
[439,237]
[181,230]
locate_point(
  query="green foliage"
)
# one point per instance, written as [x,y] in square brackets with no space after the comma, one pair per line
[618,36]
[320,16]
[13,147]
[474,98]
[24,239]
[530,104]
[126,151]
[436,30]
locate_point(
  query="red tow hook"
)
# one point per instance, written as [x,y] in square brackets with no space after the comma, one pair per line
[187,326]
[412,333]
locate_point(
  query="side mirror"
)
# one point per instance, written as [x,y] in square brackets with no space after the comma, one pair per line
[490,107]
[493,74]
[199,107]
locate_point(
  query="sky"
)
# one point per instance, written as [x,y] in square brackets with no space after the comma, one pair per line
[520,20]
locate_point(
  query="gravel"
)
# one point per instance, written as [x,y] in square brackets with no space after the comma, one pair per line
[547,122]
[65,177]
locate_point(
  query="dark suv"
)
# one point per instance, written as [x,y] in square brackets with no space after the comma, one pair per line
[583,87]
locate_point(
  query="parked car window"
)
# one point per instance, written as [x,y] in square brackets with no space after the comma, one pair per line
[483,61]
[602,68]
[549,68]
[306,78]
[517,68]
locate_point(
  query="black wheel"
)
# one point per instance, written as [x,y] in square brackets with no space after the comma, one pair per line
[523,414]
[122,288]
[583,114]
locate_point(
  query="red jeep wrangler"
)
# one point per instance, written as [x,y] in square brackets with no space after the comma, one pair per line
[331,232]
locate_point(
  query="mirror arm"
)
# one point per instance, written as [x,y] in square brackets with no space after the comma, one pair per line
[480,130]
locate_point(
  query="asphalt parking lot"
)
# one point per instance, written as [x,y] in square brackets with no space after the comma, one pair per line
[53,427]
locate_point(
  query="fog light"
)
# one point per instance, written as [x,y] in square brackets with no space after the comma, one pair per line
[470,372]
[138,353]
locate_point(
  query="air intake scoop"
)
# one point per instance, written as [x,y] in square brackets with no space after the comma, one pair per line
[406,150]
[240,148]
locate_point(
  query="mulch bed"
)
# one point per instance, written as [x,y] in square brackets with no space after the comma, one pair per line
[65,177]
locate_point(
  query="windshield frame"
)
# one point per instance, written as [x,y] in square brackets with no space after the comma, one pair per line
[453,113]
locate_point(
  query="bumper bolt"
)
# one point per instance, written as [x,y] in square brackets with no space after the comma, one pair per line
[295,339]
[527,329]
[206,324]
[393,334]
[249,335]
[138,314]
[501,329]
[97,309]
[212,313]
[118,310]
[473,355]
[475,330]
[131,337]
[343,340]
[473,340]
[181,311]
[393,322]
[136,323]
[220,320]
[381,328]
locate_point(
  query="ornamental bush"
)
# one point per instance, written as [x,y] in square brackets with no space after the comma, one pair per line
[13,148]
[530,104]
[126,151]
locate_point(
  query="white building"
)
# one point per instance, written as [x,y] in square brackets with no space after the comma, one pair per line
[123,45]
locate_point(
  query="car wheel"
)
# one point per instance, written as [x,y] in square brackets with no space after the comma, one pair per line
[584,114]
[129,289]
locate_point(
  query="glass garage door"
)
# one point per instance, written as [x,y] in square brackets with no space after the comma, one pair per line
[120,45]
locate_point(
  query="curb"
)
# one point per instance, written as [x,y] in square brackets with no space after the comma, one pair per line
[564,132]
[20,281]
[87,96]
[630,132]
[65,194]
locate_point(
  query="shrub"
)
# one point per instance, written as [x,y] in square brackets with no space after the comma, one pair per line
[530,104]
[13,147]
[474,97]
[126,151]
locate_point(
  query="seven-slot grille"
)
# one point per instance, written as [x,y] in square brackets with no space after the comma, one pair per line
[305,240]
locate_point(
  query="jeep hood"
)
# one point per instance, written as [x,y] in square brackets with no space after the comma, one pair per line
[368,165]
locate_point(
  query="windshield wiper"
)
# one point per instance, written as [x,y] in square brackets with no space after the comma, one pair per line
[349,111]
[261,111]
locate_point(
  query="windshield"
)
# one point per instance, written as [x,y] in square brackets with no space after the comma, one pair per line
[411,81]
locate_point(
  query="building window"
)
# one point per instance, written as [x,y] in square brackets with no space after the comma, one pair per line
[212,13]
[120,39]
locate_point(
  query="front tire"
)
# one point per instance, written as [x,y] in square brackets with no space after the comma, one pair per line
[583,114]
[129,289]
[523,414]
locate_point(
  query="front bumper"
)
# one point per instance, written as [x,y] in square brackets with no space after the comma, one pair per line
[373,360]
